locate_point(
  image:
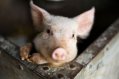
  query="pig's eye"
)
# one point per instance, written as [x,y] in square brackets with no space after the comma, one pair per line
[48,31]
[72,35]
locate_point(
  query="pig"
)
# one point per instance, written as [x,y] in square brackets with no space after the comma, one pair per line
[56,42]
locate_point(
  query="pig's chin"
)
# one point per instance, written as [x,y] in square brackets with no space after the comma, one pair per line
[57,64]
[61,62]
[54,62]
[48,55]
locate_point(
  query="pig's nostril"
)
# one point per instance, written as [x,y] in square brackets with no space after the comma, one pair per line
[56,55]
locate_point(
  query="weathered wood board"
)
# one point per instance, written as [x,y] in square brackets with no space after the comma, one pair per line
[12,69]
[105,65]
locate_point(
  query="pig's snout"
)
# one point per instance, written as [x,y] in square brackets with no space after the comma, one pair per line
[59,54]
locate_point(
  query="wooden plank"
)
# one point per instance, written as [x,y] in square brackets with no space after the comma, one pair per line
[105,65]
[12,69]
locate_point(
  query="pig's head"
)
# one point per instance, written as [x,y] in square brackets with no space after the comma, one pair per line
[58,38]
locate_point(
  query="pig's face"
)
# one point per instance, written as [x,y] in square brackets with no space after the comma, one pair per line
[57,41]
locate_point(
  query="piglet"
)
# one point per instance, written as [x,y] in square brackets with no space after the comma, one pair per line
[56,42]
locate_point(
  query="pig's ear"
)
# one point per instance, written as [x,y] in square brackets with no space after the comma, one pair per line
[85,22]
[38,15]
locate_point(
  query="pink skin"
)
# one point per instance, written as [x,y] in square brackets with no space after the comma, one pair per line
[59,54]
